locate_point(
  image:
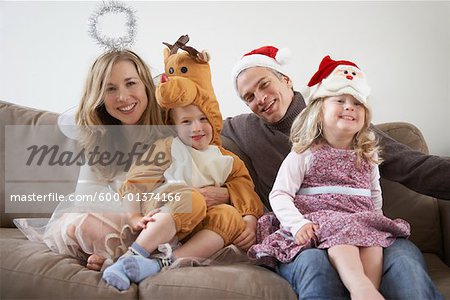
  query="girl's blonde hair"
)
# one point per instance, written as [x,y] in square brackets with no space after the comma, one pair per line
[306,132]
[92,116]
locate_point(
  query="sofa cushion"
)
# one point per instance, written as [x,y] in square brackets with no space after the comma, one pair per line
[50,275]
[47,274]
[237,281]
[439,273]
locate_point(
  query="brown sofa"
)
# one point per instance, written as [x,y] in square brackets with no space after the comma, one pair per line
[31,270]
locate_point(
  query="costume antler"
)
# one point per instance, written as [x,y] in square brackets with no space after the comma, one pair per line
[181,44]
[182,40]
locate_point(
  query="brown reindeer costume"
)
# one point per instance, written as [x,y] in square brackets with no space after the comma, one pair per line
[187,80]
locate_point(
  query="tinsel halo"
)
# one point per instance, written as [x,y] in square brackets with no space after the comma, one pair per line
[113,43]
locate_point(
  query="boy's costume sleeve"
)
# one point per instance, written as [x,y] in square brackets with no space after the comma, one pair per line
[241,188]
[148,174]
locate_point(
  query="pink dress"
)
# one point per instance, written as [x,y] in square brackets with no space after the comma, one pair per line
[342,217]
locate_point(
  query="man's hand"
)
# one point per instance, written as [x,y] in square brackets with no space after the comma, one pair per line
[215,195]
[306,233]
[248,237]
[139,222]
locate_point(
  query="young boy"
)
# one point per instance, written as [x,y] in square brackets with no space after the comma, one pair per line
[191,161]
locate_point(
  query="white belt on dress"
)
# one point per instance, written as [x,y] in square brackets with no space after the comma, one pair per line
[334,190]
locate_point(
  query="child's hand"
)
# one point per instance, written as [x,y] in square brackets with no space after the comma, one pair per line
[138,222]
[306,233]
[215,195]
[248,237]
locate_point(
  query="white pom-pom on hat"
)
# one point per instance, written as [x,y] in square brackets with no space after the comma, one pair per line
[283,56]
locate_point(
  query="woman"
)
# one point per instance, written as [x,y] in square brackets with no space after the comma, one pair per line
[119,91]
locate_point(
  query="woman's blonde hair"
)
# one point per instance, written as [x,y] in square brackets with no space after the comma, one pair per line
[92,116]
[306,132]
[92,109]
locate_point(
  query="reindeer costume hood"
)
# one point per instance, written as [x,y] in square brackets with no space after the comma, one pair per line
[187,80]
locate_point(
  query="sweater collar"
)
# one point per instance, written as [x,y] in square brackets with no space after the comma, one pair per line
[284,125]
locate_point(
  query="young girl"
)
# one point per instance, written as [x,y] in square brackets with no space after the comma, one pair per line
[327,192]
[192,160]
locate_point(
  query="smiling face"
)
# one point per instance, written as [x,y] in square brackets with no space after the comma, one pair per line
[342,117]
[193,127]
[267,95]
[125,95]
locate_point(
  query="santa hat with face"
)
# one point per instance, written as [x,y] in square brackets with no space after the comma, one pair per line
[335,78]
[266,56]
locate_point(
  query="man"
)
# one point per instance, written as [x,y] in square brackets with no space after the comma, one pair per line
[263,137]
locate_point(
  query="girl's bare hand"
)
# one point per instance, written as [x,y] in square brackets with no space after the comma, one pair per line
[306,233]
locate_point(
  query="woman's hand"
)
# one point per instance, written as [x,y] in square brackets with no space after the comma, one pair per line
[138,222]
[248,237]
[306,233]
[215,195]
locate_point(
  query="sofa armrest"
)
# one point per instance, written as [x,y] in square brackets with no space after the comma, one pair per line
[444,209]
[405,133]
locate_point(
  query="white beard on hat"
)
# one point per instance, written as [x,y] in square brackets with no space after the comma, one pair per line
[337,84]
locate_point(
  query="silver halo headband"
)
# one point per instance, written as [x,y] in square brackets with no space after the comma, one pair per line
[113,43]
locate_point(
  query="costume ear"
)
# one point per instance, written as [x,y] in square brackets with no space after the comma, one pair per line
[166,53]
[203,56]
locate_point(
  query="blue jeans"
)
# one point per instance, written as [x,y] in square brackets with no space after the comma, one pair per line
[404,275]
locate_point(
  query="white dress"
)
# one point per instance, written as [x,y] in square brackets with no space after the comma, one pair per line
[93,223]
[91,220]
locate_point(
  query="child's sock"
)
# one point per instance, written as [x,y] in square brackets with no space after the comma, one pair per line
[114,275]
[139,267]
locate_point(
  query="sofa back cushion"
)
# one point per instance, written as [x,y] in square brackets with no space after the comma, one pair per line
[15,183]
[421,211]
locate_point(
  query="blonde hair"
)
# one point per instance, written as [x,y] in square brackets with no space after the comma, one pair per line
[306,132]
[92,110]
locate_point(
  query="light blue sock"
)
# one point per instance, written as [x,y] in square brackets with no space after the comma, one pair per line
[138,267]
[114,275]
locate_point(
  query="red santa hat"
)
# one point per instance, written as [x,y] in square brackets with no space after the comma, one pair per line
[334,78]
[266,56]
